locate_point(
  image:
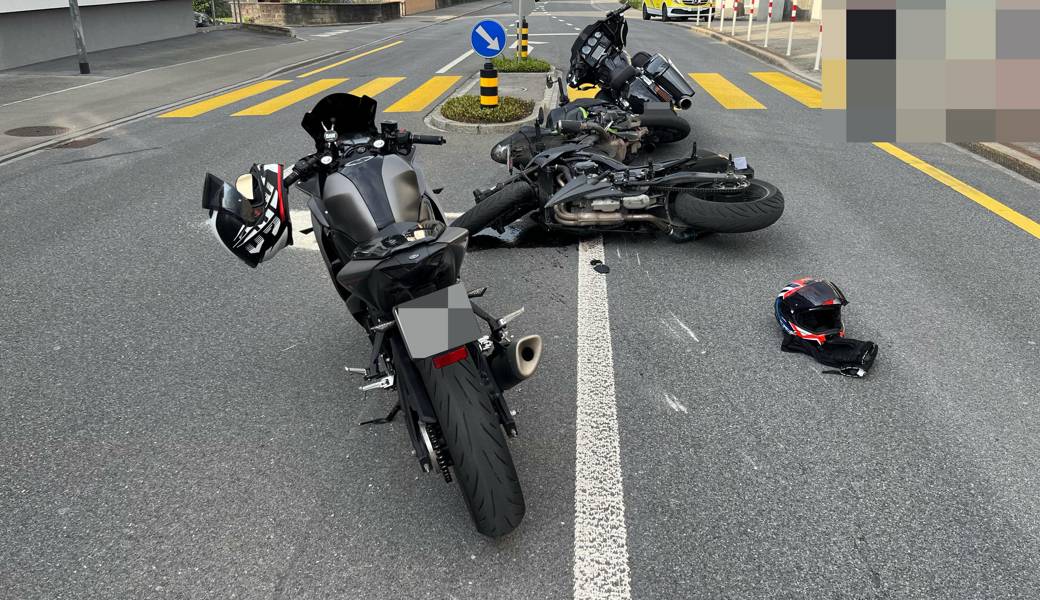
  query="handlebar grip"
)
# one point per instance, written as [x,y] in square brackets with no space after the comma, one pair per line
[570,126]
[435,140]
[301,170]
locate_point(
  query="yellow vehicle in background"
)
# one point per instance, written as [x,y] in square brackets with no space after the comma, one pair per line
[676,9]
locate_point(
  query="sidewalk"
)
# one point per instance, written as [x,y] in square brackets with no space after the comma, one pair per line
[803,42]
[126,82]
[50,103]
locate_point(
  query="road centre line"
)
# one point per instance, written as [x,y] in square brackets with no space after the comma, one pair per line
[601,570]
[450,65]
[346,60]
[989,203]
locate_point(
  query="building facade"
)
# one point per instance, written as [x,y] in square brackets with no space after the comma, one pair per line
[33,31]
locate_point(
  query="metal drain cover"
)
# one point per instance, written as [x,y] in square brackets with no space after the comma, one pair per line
[80,143]
[37,131]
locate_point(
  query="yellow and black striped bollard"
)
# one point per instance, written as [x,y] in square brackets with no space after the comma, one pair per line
[488,86]
[523,38]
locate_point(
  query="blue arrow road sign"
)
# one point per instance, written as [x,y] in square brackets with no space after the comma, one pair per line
[488,39]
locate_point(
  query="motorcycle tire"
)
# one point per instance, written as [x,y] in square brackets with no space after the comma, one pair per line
[666,127]
[482,463]
[721,211]
[501,208]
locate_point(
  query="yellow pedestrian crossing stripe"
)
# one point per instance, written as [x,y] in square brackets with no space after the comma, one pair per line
[806,94]
[194,110]
[422,96]
[725,93]
[346,60]
[279,102]
[376,86]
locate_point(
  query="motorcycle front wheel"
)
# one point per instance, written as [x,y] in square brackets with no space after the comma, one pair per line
[709,208]
[477,445]
[501,208]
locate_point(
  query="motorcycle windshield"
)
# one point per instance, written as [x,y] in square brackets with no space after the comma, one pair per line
[351,116]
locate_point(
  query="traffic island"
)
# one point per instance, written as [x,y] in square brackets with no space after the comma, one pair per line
[520,97]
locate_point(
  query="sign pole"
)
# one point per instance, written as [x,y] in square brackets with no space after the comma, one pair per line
[769,19]
[751,18]
[77,32]
[819,49]
[790,32]
[722,15]
[733,31]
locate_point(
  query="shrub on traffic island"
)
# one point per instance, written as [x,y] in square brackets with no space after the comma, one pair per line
[468,110]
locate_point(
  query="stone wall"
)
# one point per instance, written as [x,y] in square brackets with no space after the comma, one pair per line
[277,13]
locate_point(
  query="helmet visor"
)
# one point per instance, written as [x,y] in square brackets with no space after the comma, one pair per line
[823,293]
[822,320]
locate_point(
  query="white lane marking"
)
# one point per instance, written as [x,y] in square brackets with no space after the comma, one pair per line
[685,328]
[450,65]
[601,569]
[674,403]
[332,33]
[576,29]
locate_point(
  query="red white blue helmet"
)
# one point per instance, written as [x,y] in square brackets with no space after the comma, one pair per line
[811,309]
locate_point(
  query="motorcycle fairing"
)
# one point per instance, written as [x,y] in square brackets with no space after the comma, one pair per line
[437,322]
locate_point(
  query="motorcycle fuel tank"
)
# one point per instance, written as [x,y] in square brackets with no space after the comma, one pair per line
[370,193]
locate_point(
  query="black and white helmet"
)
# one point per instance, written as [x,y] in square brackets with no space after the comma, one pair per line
[251,218]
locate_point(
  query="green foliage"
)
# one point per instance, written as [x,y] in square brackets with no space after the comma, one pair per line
[468,110]
[636,4]
[506,64]
[205,7]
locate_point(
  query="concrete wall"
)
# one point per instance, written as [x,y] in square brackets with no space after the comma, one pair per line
[276,13]
[39,35]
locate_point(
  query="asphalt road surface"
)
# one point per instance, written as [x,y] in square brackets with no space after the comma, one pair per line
[176,425]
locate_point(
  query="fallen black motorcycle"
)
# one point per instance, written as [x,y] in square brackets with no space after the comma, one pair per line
[647,84]
[396,265]
[575,187]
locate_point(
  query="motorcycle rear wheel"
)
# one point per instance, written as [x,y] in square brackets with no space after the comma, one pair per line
[710,209]
[474,438]
[501,208]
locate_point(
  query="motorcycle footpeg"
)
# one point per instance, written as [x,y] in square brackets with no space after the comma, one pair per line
[383,383]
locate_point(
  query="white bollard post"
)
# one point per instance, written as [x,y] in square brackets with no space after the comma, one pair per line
[769,19]
[819,49]
[733,31]
[722,15]
[751,19]
[790,32]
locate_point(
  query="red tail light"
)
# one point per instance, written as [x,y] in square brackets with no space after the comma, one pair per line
[450,357]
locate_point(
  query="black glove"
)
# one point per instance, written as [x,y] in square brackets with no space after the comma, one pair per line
[852,358]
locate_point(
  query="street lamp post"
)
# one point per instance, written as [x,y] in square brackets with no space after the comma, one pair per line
[77,31]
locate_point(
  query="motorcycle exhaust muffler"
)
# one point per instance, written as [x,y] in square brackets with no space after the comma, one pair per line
[515,361]
[685,102]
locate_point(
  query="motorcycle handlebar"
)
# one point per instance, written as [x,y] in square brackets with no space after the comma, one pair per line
[617,11]
[435,140]
[301,169]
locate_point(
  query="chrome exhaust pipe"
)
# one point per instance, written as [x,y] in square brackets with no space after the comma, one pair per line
[685,102]
[515,361]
